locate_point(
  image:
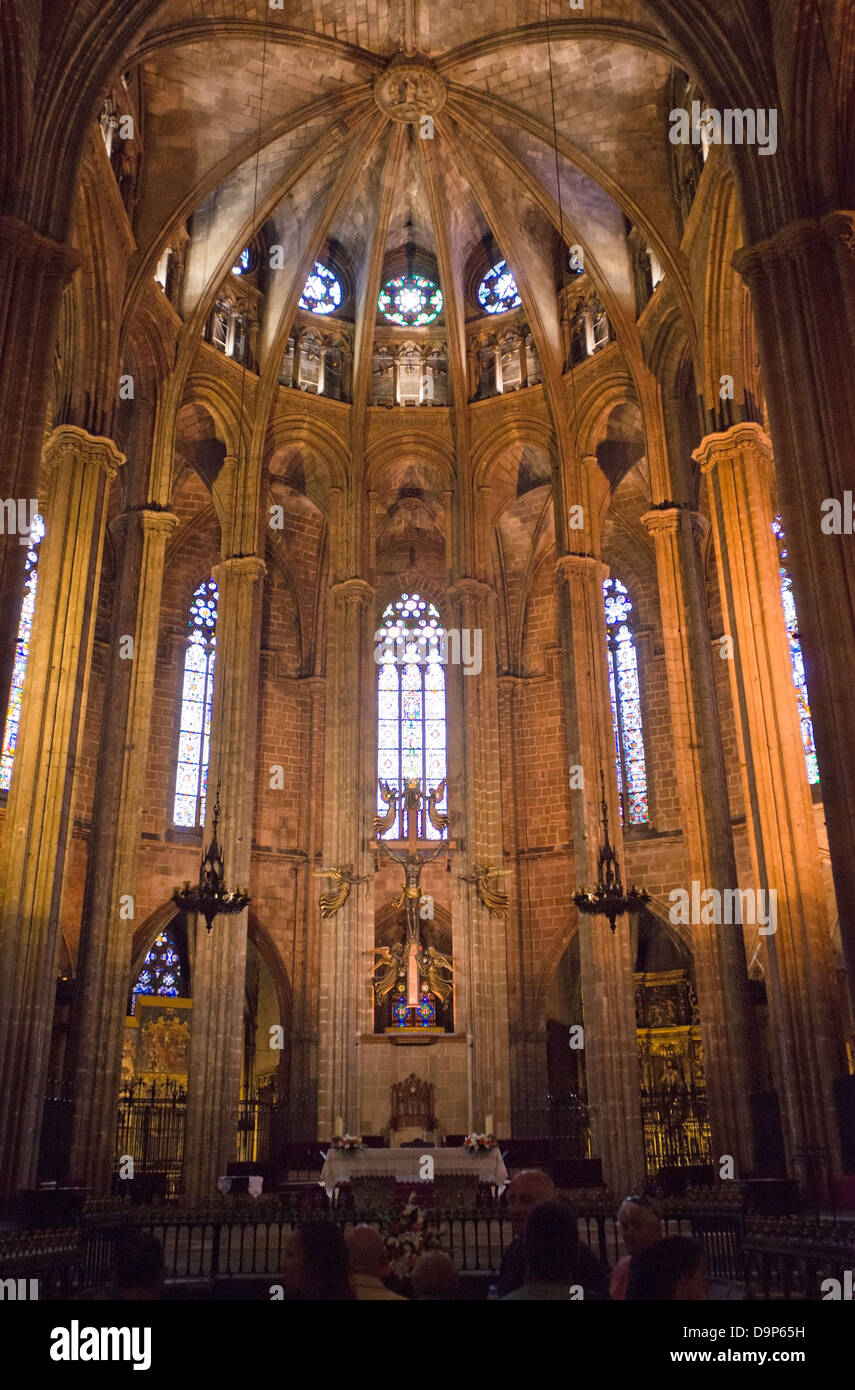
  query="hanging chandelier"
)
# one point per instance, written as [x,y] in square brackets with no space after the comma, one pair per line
[210,898]
[608,898]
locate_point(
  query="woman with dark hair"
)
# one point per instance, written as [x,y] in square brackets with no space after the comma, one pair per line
[672,1271]
[315,1264]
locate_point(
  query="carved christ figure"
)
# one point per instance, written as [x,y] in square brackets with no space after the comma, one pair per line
[410,894]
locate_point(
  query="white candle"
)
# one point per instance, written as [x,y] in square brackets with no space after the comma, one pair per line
[488,1125]
[339,1125]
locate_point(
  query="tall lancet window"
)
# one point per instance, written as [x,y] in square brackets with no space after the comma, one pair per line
[194,739]
[411,733]
[796,657]
[22,652]
[626,704]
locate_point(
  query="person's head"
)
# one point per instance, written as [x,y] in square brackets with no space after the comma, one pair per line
[140,1271]
[434,1276]
[671,1270]
[527,1188]
[640,1223]
[315,1263]
[367,1250]
[551,1243]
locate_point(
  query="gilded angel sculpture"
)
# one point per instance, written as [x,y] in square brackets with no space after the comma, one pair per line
[484,877]
[344,879]
[430,967]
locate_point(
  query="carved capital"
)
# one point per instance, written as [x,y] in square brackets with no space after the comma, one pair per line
[35,252]
[353,592]
[469,591]
[150,520]
[662,521]
[746,439]
[797,241]
[666,521]
[239,567]
[581,567]
[68,443]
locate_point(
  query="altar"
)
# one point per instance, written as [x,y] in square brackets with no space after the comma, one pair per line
[407,1166]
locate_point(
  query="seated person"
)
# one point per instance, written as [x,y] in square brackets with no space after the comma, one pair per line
[553,1267]
[315,1265]
[368,1264]
[434,1277]
[527,1189]
[640,1226]
[672,1270]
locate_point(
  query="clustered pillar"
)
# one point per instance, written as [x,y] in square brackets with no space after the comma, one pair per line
[797,956]
[219,958]
[347,938]
[608,1000]
[41,798]
[802,283]
[108,915]
[719,949]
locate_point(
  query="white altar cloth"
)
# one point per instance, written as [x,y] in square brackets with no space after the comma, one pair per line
[404,1165]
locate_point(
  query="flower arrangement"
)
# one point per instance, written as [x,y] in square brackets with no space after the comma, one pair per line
[479,1143]
[408,1234]
[346,1143]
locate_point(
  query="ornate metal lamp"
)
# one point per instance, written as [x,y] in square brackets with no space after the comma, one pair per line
[210,898]
[608,898]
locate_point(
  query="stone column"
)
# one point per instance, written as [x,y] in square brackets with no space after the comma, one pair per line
[219,961]
[33,274]
[474,787]
[802,283]
[777,794]
[608,998]
[305,963]
[107,932]
[347,938]
[41,798]
[719,950]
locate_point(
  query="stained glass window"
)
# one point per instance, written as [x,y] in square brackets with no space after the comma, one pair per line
[626,705]
[498,291]
[321,292]
[411,734]
[163,970]
[410,300]
[22,651]
[243,263]
[796,657]
[195,734]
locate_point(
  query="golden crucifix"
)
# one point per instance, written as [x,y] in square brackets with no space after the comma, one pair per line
[412,853]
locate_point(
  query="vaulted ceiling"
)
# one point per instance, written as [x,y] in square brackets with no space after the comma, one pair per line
[544,121]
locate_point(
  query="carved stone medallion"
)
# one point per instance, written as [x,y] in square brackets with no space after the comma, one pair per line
[410,88]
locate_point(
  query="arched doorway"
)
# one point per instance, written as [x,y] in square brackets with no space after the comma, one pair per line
[672,1086]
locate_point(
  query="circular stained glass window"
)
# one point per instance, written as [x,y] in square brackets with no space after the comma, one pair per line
[321,292]
[410,300]
[498,291]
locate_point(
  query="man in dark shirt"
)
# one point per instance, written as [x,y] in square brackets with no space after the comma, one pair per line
[527,1189]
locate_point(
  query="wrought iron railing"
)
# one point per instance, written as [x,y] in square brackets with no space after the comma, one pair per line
[150,1132]
[244,1237]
